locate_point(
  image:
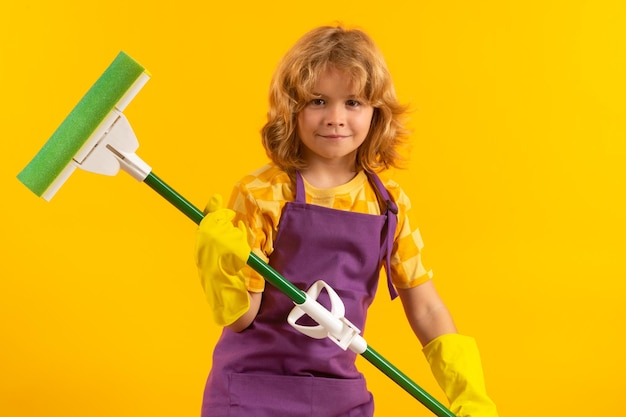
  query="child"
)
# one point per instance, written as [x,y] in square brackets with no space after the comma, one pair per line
[319,211]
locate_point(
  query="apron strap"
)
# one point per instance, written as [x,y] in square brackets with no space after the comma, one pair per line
[391,212]
[300,194]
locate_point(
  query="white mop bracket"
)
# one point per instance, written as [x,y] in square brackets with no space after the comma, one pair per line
[113,149]
[331,324]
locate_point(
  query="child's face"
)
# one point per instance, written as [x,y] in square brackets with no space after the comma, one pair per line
[334,124]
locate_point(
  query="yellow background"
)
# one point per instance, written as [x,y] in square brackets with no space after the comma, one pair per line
[517,173]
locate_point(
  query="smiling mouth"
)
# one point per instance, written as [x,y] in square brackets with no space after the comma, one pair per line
[334,136]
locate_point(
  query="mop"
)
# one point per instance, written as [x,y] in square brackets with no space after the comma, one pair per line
[97,137]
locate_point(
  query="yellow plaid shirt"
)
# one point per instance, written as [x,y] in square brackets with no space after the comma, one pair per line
[259,197]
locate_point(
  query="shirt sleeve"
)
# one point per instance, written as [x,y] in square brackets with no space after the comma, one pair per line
[407,269]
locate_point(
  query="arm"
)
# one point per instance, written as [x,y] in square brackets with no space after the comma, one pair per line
[453,358]
[427,314]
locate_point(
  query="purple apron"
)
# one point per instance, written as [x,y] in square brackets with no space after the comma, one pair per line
[270,369]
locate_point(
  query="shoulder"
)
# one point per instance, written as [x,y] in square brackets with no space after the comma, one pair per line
[267,188]
[396,192]
[267,176]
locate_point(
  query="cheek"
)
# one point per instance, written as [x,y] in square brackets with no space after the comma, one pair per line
[366,121]
[302,120]
[300,124]
[307,118]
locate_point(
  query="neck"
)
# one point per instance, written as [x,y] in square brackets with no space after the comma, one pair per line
[329,176]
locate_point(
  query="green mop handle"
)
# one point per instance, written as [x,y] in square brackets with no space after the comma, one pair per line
[299,297]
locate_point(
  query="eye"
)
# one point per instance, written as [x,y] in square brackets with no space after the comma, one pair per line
[353,103]
[317,102]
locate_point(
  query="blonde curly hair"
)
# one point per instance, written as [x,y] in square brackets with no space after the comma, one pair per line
[353,52]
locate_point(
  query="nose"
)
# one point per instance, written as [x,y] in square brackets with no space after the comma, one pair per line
[335,116]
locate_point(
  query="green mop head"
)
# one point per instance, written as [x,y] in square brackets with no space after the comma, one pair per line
[68,145]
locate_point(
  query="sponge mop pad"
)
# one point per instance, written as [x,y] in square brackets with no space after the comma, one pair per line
[108,92]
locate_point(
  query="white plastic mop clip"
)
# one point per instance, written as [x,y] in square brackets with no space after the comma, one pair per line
[331,324]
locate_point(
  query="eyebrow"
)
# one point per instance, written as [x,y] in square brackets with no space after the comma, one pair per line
[350,97]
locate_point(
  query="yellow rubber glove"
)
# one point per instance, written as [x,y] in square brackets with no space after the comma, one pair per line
[222,250]
[455,363]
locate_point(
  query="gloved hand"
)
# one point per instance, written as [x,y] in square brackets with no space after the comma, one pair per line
[455,363]
[222,250]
